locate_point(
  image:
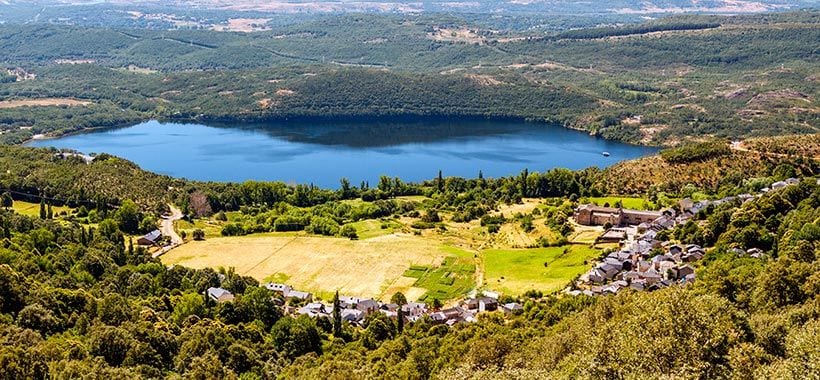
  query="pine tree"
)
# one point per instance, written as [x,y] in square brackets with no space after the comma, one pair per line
[440,182]
[43,213]
[337,316]
[50,212]
[400,300]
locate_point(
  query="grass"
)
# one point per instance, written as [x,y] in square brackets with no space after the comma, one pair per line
[33,209]
[370,228]
[627,202]
[211,228]
[514,271]
[278,278]
[372,267]
[453,278]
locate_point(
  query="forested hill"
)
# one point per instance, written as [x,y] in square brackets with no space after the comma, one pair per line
[711,167]
[78,300]
[658,82]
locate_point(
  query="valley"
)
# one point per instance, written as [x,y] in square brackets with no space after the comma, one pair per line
[399,190]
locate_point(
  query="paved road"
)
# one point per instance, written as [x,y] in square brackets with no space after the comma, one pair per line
[167,229]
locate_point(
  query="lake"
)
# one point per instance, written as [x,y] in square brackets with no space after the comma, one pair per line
[322,153]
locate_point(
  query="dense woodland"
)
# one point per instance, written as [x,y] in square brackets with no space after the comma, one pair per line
[79,299]
[652,83]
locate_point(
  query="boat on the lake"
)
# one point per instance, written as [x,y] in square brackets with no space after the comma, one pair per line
[606,154]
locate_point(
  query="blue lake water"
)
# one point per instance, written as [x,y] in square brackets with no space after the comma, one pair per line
[322,153]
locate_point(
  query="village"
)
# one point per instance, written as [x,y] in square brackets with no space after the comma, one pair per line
[643,262]
[355,310]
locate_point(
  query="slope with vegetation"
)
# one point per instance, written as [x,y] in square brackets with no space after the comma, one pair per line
[653,83]
[79,299]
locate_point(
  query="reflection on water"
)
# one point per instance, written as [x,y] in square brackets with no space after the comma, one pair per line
[322,153]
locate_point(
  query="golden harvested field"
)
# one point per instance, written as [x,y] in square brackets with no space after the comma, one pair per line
[371,267]
[42,102]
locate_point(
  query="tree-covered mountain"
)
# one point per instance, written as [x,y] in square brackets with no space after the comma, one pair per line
[652,83]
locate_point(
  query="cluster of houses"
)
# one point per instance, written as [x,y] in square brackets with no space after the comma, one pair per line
[643,262]
[356,309]
[635,268]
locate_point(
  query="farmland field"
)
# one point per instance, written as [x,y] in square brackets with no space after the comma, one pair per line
[514,271]
[33,209]
[373,267]
[627,202]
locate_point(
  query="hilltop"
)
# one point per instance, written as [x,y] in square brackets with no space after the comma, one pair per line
[657,82]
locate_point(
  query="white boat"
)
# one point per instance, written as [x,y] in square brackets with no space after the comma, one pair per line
[606,154]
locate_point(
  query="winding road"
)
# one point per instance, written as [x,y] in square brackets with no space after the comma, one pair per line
[167,229]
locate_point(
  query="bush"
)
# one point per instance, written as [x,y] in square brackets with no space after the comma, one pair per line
[349,232]
[323,226]
[198,234]
[431,216]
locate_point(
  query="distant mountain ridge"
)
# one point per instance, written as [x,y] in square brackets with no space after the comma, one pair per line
[489,6]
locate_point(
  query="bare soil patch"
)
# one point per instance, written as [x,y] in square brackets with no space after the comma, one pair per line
[245,25]
[44,102]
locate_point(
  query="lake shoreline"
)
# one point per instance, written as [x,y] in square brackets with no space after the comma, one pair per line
[350,118]
[303,152]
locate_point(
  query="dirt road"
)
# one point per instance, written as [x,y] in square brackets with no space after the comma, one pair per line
[167,229]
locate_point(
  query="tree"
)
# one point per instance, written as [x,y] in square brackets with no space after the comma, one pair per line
[128,216]
[43,213]
[198,234]
[345,191]
[112,343]
[440,182]
[295,337]
[8,201]
[200,205]
[189,304]
[38,318]
[399,299]
[257,304]
[114,309]
[148,223]
[12,298]
[337,316]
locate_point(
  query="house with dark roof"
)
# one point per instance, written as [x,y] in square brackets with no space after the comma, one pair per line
[487,304]
[150,238]
[367,306]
